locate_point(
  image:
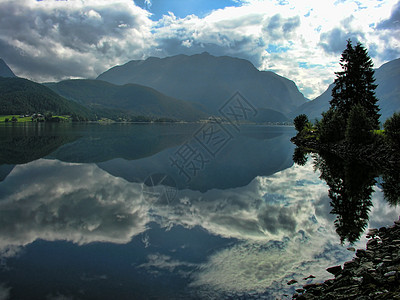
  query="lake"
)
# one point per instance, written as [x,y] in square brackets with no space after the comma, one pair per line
[176,211]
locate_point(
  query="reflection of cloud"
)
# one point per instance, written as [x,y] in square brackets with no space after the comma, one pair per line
[284,225]
[159,262]
[256,266]
[281,222]
[4,292]
[268,208]
[79,203]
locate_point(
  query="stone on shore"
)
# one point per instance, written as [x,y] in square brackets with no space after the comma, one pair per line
[373,274]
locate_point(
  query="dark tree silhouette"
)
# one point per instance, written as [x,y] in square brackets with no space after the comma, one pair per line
[300,156]
[300,122]
[350,189]
[355,84]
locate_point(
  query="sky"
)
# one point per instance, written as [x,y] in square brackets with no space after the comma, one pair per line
[52,40]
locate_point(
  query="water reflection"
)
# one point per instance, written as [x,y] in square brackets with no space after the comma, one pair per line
[243,228]
[350,189]
[351,185]
[391,186]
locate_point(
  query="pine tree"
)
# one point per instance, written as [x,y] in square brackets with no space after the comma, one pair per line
[355,84]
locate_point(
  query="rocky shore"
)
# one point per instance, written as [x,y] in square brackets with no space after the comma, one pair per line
[374,273]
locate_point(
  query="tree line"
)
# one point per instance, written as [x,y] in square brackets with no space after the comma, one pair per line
[353,115]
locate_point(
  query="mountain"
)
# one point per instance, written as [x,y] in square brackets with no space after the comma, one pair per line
[209,80]
[130,99]
[5,70]
[388,92]
[20,96]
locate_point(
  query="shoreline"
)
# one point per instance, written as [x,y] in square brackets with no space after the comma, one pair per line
[374,272]
[377,155]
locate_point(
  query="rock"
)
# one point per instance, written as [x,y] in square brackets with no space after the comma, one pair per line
[382,229]
[291,282]
[335,270]
[372,242]
[349,264]
[391,273]
[372,232]
[309,286]
[373,273]
[351,249]
[361,253]
[309,277]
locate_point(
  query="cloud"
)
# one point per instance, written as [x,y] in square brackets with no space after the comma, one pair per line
[82,204]
[53,40]
[279,28]
[159,262]
[334,41]
[58,39]
[280,224]
[4,292]
[393,22]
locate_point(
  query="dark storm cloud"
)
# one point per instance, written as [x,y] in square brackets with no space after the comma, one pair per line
[55,39]
[334,41]
[394,21]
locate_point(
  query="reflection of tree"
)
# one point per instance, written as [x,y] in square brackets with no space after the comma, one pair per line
[20,145]
[391,186]
[299,156]
[350,191]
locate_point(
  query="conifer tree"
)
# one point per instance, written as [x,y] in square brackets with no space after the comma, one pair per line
[355,84]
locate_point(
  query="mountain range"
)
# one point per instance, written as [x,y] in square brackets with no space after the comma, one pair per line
[22,96]
[388,93]
[210,81]
[127,99]
[180,87]
[5,70]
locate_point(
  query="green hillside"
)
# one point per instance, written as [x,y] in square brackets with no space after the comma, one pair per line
[22,96]
[129,99]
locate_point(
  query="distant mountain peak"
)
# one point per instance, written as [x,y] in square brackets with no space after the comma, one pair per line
[388,93]
[209,80]
[5,70]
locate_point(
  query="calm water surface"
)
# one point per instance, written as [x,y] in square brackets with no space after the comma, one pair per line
[184,211]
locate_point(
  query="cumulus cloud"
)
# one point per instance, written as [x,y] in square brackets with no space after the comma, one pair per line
[51,40]
[280,223]
[56,39]
[393,22]
[81,204]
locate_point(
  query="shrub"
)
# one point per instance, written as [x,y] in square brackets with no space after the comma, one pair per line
[331,127]
[300,122]
[359,126]
[392,129]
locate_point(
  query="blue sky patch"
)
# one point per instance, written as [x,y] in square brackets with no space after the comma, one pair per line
[182,9]
[272,48]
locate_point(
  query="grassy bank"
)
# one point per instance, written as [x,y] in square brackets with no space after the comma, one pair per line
[20,119]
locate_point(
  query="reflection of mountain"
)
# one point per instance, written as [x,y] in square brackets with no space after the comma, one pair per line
[130,142]
[233,241]
[19,145]
[5,170]
[254,152]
